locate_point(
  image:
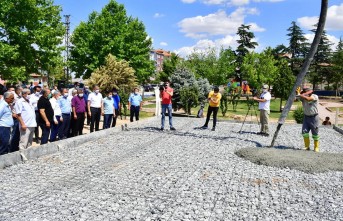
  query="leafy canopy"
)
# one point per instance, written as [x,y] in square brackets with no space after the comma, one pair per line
[111,31]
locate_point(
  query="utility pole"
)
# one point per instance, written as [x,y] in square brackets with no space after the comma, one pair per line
[67,44]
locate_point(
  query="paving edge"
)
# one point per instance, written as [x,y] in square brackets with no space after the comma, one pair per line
[338,129]
[35,152]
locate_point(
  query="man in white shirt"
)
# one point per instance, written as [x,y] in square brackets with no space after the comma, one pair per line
[264,107]
[57,115]
[27,119]
[34,101]
[95,107]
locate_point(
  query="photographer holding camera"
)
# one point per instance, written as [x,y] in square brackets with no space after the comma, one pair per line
[166,93]
[264,107]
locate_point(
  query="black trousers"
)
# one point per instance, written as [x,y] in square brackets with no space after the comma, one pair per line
[209,112]
[95,118]
[78,124]
[36,129]
[134,111]
[114,122]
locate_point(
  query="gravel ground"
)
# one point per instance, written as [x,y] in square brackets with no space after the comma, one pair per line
[189,174]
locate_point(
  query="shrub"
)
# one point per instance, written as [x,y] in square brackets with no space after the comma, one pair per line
[298,115]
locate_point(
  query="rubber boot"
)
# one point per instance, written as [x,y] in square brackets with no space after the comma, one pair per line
[316,146]
[307,143]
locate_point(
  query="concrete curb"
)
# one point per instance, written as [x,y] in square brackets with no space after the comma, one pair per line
[32,153]
[338,129]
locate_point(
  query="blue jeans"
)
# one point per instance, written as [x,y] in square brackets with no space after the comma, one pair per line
[45,133]
[107,120]
[63,131]
[170,109]
[15,136]
[54,129]
[5,133]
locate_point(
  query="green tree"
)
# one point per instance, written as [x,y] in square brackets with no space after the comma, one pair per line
[260,68]
[189,98]
[31,33]
[111,31]
[169,67]
[245,43]
[282,85]
[183,80]
[319,68]
[298,46]
[337,66]
[114,73]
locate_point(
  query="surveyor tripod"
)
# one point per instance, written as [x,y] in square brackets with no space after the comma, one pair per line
[251,105]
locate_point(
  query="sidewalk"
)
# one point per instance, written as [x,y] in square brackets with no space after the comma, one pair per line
[86,128]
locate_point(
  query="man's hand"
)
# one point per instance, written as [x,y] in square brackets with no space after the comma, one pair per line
[75,117]
[89,113]
[55,121]
[61,119]
[47,124]
[23,127]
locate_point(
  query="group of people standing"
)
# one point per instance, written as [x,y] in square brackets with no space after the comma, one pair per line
[58,114]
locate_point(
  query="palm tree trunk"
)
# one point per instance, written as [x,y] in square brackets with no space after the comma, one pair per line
[304,69]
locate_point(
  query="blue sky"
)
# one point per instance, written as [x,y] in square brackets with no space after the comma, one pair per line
[183,26]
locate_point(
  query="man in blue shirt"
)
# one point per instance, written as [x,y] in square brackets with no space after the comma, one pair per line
[65,106]
[135,104]
[6,122]
[117,106]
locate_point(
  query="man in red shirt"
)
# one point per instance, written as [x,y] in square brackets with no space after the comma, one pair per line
[166,94]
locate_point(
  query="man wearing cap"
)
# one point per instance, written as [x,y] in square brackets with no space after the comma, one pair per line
[214,102]
[311,119]
[264,107]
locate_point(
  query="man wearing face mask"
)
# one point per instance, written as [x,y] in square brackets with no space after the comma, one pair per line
[79,112]
[94,108]
[34,101]
[58,118]
[117,106]
[46,115]
[213,107]
[6,122]
[166,96]
[27,119]
[65,105]
[15,136]
[264,107]
[108,110]
[135,104]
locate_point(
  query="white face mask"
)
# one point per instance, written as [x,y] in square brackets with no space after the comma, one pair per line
[97,91]
[110,96]
[65,95]
[37,93]
[264,90]
[80,95]
[28,97]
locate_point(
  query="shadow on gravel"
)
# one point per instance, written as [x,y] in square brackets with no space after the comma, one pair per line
[283,157]
[188,134]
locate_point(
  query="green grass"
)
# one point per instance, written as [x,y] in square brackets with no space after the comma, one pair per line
[149,106]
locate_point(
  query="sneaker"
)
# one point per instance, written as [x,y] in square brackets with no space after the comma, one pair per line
[172,128]
[162,129]
[213,129]
[204,127]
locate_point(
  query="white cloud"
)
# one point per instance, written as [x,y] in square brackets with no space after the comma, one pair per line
[158,15]
[334,20]
[218,23]
[188,1]
[205,44]
[331,38]
[163,43]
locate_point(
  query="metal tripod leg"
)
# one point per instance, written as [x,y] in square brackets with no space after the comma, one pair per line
[245,118]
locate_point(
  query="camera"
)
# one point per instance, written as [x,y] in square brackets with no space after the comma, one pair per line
[162,87]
